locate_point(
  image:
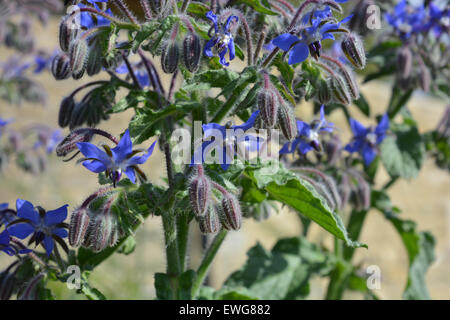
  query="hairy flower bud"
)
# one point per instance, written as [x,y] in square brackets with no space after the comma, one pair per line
[199,192]
[30,292]
[210,222]
[94,61]
[68,31]
[65,111]
[192,52]
[78,52]
[169,57]
[231,211]
[268,106]
[155,6]
[404,60]
[353,48]
[79,223]
[69,143]
[288,124]
[100,230]
[323,92]
[61,66]
[339,90]
[7,282]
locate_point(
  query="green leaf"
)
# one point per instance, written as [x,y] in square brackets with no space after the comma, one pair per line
[384,47]
[286,187]
[282,273]
[404,155]
[399,98]
[211,79]
[257,6]
[420,248]
[127,246]
[362,105]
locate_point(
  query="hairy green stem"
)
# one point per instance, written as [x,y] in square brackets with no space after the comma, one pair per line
[208,258]
[182,238]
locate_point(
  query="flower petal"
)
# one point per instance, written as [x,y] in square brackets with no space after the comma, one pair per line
[56,216]
[95,166]
[249,123]
[131,174]
[285,41]
[90,150]
[124,148]
[26,210]
[21,230]
[299,53]
[357,128]
[49,244]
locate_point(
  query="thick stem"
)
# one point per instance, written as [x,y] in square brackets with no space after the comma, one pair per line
[88,85]
[182,238]
[169,164]
[207,261]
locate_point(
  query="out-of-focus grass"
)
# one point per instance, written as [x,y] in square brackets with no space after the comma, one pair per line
[425,200]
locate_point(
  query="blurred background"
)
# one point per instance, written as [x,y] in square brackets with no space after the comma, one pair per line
[425,200]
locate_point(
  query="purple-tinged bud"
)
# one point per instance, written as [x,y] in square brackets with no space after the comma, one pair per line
[100,231]
[95,60]
[7,282]
[344,191]
[362,194]
[61,66]
[268,106]
[79,223]
[78,52]
[323,92]
[31,292]
[192,52]
[286,119]
[199,192]
[334,5]
[102,227]
[210,222]
[404,60]
[231,211]
[353,48]
[333,149]
[424,78]
[69,143]
[68,32]
[65,111]
[339,90]
[169,57]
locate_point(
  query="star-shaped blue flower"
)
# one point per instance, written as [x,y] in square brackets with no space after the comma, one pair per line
[407,19]
[231,136]
[222,41]
[114,161]
[309,41]
[365,140]
[49,141]
[87,19]
[308,135]
[321,13]
[45,227]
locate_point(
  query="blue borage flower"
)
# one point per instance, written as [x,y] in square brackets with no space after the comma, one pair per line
[4,243]
[141,75]
[87,20]
[6,215]
[408,19]
[365,140]
[308,135]
[45,227]
[320,12]
[115,161]
[232,136]
[309,41]
[222,41]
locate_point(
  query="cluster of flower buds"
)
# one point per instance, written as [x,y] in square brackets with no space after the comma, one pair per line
[16,25]
[190,54]
[213,212]
[275,111]
[30,146]
[340,85]
[95,229]
[412,71]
